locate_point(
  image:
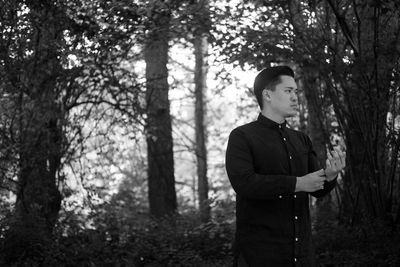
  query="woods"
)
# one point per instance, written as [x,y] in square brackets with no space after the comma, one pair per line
[114,118]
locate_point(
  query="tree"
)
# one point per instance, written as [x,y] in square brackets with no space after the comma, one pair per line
[57,63]
[161,180]
[200,79]
[31,67]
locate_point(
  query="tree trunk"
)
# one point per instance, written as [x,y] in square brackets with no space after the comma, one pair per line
[40,139]
[366,138]
[38,199]
[200,77]
[161,180]
[316,127]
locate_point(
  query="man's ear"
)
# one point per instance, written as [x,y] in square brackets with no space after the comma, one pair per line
[266,95]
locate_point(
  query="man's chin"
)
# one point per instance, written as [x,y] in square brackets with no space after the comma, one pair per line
[291,114]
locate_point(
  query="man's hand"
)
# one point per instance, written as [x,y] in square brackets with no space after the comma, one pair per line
[311,182]
[335,163]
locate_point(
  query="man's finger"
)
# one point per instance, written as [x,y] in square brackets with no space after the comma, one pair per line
[343,158]
[341,155]
[328,169]
[335,154]
[338,158]
[328,165]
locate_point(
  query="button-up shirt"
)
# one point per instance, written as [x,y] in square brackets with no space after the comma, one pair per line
[273,226]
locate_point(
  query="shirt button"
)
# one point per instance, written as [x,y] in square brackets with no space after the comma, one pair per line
[284,139]
[280,196]
[295,217]
[295,196]
[295,259]
[296,239]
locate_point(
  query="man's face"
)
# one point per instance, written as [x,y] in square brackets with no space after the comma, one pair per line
[283,100]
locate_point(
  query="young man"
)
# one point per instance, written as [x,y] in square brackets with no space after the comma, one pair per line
[273,170]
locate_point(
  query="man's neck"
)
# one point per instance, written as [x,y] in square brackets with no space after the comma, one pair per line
[274,117]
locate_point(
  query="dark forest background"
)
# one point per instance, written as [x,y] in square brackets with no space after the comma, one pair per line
[114,117]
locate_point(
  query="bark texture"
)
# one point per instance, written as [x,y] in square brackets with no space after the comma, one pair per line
[161,180]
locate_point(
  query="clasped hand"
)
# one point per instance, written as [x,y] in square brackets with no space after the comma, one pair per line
[335,162]
[314,181]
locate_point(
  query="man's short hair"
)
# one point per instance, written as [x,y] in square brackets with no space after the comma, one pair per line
[268,78]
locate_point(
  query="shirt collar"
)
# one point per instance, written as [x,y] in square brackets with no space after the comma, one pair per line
[270,123]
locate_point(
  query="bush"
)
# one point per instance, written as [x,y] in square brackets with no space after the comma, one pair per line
[174,241]
[183,241]
[370,244]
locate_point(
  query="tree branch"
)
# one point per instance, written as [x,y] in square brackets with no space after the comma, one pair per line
[345,28]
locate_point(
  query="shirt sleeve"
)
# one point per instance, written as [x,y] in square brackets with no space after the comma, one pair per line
[245,181]
[314,166]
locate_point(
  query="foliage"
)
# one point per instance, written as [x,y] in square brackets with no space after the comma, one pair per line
[369,244]
[184,241]
[173,241]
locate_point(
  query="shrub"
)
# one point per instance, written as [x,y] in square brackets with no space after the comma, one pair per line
[369,244]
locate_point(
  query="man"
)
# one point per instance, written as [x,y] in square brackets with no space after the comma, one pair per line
[273,169]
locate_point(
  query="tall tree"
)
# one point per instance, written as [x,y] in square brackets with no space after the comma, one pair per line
[32,66]
[202,22]
[161,179]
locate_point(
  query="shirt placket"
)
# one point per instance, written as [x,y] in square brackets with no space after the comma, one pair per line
[296,241]
[296,232]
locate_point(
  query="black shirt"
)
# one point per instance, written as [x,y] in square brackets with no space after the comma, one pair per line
[263,159]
